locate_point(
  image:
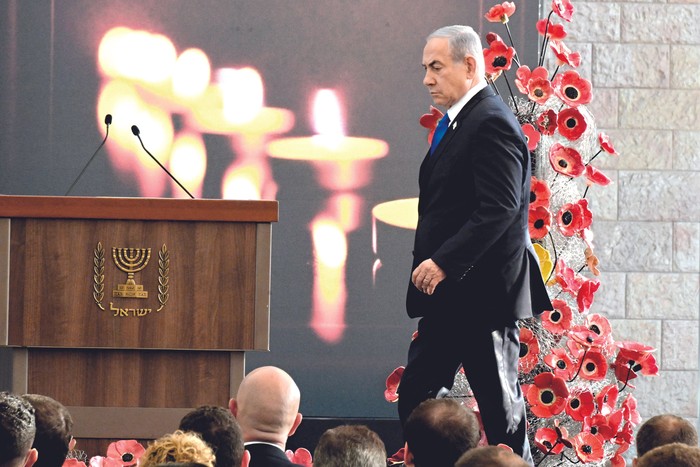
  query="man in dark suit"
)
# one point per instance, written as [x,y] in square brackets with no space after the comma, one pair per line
[267,409]
[474,271]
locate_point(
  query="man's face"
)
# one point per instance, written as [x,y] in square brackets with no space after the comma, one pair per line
[448,81]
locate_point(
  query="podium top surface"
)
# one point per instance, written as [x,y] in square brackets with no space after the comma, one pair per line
[77,207]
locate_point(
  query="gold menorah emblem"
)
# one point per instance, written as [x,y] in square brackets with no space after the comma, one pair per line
[130,261]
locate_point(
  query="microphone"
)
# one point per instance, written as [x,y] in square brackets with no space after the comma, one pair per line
[108,122]
[135,130]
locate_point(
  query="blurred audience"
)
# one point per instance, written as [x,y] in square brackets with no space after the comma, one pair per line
[491,456]
[671,455]
[181,447]
[437,432]
[350,446]
[664,429]
[54,428]
[17,430]
[267,409]
[219,428]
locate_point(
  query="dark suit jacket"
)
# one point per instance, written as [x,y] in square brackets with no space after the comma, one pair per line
[472,220]
[265,455]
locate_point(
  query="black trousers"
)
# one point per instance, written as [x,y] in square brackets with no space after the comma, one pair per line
[490,360]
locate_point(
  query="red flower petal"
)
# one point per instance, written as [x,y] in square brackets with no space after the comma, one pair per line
[580,405]
[500,13]
[392,385]
[584,299]
[547,122]
[572,88]
[498,57]
[566,161]
[548,395]
[595,176]
[539,193]
[561,364]
[588,447]
[571,124]
[594,366]
[539,221]
[572,218]
[563,8]
[529,351]
[606,145]
[532,136]
[607,399]
[554,31]
[557,321]
[430,121]
[547,441]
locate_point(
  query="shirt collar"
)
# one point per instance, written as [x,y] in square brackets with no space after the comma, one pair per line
[453,111]
[263,442]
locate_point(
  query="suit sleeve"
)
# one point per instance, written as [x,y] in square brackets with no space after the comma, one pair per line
[497,164]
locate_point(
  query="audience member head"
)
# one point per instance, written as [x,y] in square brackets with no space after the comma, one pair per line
[54,428]
[490,456]
[181,447]
[219,428]
[267,406]
[665,429]
[17,430]
[438,431]
[350,446]
[671,455]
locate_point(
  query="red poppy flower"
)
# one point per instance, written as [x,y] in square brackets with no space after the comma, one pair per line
[563,8]
[558,320]
[522,77]
[529,350]
[414,336]
[584,298]
[629,410]
[585,338]
[301,456]
[127,452]
[596,177]
[430,121]
[566,277]
[605,428]
[539,221]
[571,124]
[561,364]
[548,441]
[580,405]
[564,55]
[548,395]
[607,399]
[99,461]
[532,136]
[630,361]
[588,447]
[566,161]
[572,88]
[547,122]
[625,436]
[539,193]
[492,36]
[617,460]
[600,325]
[72,462]
[594,366]
[535,84]
[551,30]
[606,145]
[500,13]
[397,458]
[572,218]
[498,57]
[392,385]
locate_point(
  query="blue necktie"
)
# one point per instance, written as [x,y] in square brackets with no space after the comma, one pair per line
[440,131]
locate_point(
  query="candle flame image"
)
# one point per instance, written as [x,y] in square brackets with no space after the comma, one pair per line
[188,164]
[329,289]
[243,94]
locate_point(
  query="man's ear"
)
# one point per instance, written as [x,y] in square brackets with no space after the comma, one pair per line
[407,456]
[32,457]
[233,407]
[470,65]
[245,461]
[297,422]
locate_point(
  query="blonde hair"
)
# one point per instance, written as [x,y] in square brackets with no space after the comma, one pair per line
[179,446]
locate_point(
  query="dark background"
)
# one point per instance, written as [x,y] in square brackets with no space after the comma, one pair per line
[368,51]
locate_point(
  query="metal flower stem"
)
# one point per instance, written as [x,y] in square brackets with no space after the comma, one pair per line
[579,367]
[515,103]
[545,40]
[556,257]
[547,453]
[627,378]
[515,56]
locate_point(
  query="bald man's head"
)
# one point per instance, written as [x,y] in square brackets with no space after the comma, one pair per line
[267,405]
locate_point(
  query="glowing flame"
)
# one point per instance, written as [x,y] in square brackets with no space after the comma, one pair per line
[136,55]
[327,118]
[188,164]
[329,289]
[241,182]
[191,74]
[243,94]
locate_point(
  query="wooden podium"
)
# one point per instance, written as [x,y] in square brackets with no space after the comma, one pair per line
[132,311]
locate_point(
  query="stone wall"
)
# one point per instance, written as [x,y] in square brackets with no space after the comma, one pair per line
[643,59]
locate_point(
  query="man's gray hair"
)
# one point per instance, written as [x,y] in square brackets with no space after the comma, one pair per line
[463,41]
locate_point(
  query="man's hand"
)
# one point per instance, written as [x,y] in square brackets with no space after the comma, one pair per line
[427,276]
